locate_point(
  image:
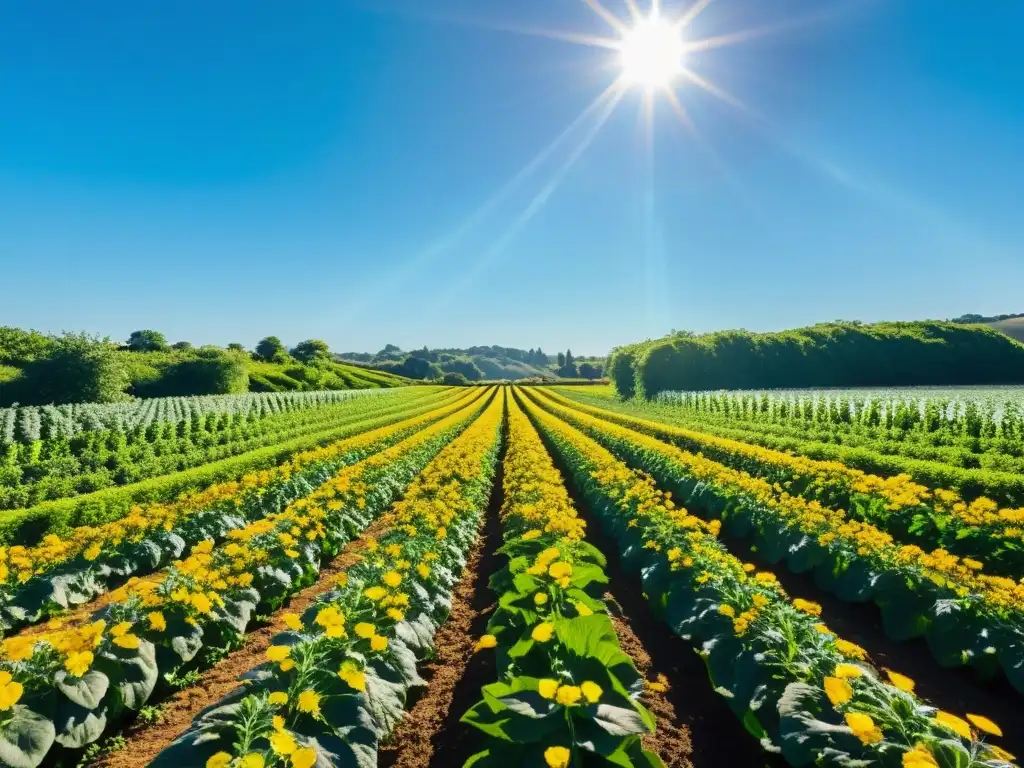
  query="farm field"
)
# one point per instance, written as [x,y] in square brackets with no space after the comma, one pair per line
[509,575]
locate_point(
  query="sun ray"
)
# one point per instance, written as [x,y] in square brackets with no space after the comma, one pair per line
[713,89]
[634,10]
[404,272]
[612,96]
[680,111]
[607,16]
[691,14]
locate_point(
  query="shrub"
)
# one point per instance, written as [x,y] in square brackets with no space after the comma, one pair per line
[147,341]
[210,372]
[78,369]
[455,380]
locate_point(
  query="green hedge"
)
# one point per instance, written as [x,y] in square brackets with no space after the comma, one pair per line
[825,355]
[27,526]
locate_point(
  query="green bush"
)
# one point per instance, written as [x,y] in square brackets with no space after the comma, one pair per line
[454,380]
[78,369]
[825,355]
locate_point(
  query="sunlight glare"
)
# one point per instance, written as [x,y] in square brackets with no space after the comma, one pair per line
[652,53]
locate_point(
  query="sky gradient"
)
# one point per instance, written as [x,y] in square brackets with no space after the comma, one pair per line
[225,171]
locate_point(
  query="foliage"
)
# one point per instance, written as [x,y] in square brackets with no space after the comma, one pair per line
[147,341]
[454,380]
[271,350]
[825,355]
[78,368]
[21,346]
[310,350]
[210,371]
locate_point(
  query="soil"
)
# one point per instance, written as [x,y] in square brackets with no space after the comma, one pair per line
[958,690]
[145,741]
[431,730]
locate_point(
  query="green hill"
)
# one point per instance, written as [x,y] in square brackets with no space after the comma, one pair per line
[1013,327]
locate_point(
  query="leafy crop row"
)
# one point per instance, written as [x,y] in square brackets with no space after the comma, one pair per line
[336,683]
[63,572]
[567,692]
[907,510]
[796,685]
[73,682]
[967,617]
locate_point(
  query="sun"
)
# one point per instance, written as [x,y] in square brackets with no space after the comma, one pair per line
[652,53]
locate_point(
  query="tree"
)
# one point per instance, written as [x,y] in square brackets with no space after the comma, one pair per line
[542,358]
[588,371]
[236,347]
[452,379]
[464,367]
[271,350]
[182,346]
[78,369]
[568,357]
[21,346]
[211,371]
[418,368]
[561,360]
[147,341]
[311,350]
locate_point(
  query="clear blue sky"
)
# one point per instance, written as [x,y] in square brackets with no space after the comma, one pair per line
[226,170]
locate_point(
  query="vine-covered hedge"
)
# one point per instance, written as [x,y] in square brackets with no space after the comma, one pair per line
[824,355]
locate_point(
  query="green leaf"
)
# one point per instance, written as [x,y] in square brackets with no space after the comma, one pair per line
[618,721]
[25,738]
[86,691]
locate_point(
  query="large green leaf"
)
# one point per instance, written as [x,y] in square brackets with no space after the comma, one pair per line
[86,691]
[25,738]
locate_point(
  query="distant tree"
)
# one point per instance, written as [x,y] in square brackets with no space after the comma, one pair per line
[271,350]
[568,371]
[211,371]
[391,349]
[589,371]
[310,350]
[182,346]
[561,360]
[418,368]
[453,379]
[147,341]
[464,367]
[21,346]
[542,358]
[78,369]
[236,347]
[568,357]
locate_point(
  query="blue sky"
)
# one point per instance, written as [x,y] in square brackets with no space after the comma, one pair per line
[226,170]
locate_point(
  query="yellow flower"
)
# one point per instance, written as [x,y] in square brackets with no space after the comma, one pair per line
[292,621]
[283,743]
[954,723]
[542,632]
[423,570]
[591,691]
[78,663]
[392,579]
[396,614]
[309,702]
[863,727]
[557,757]
[365,630]
[279,652]
[806,606]
[10,691]
[378,643]
[984,724]
[92,552]
[851,650]
[375,593]
[568,695]
[919,757]
[838,691]
[352,675]
[540,598]
[560,570]
[547,688]
[287,665]
[304,758]
[19,648]
[127,641]
[157,621]
[202,603]
[485,641]
[220,760]
[847,671]
[252,760]
[278,723]
[727,610]
[119,630]
[277,698]
[902,682]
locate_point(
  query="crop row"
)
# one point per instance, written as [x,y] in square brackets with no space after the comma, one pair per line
[905,509]
[796,685]
[566,692]
[73,683]
[968,618]
[337,681]
[63,572]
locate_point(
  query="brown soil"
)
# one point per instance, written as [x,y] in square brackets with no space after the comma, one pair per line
[955,690]
[144,742]
[431,720]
